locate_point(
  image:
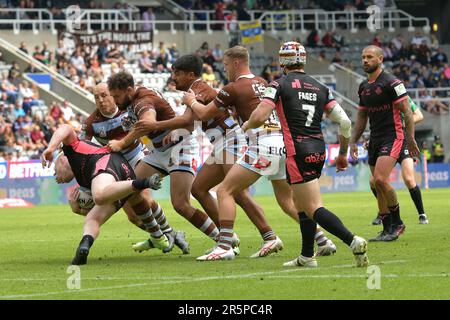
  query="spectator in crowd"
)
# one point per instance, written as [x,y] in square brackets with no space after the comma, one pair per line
[10,89]
[67,112]
[425,150]
[38,55]
[149,17]
[217,53]
[174,53]
[77,61]
[337,58]
[438,150]
[209,76]
[27,95]
[61,51]
[232,26]
[102,51]
[162,61]
[145,63]
[219,15]
[23,47]
[271,71]
[55,111]
[377,41]
[327,40]
[439,58]
[313,39]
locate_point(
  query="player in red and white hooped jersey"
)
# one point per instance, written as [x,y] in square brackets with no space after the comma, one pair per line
[300,102]
[383,99]
[176,158]
[106,123]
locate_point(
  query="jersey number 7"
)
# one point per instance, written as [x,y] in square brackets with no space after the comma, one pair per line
[311,110]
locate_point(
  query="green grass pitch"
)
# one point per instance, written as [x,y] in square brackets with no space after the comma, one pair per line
[37,244]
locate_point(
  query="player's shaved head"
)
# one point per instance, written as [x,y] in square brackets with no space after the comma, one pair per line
[103,99]
[372,58]
[101,87]
[377,51]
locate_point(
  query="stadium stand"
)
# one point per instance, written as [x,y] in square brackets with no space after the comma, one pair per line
[85,66]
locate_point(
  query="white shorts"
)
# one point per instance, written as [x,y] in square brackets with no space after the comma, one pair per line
[139,156]
[180,157]
[229,148]
[266,156]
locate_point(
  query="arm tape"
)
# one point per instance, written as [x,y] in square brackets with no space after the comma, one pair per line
[339,116]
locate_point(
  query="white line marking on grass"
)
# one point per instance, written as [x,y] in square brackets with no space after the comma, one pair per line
[176,280]
[379,263]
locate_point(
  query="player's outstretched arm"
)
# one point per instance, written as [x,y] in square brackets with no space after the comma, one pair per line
[186,120]
[147,122]
[358,130]
[204,113]
[405,107]
[258,116]
[64,134]
[338,115]
[417,116]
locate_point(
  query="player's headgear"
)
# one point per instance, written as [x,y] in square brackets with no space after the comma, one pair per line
[292,53]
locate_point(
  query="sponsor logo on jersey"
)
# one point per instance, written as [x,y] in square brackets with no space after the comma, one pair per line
[224,93]
[315,158]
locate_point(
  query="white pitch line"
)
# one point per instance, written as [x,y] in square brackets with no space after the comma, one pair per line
[144,284]
[180,278]
[187,280]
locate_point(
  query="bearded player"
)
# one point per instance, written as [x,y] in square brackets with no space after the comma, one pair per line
[383,100]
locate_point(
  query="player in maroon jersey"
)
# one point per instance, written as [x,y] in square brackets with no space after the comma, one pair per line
[175,159]
[300,102]
[111,180]
[383,98]
[106,123]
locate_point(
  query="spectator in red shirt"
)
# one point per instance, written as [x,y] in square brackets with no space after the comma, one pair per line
[55,111]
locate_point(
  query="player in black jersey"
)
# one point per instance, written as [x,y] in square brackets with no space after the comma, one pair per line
[383,99]
[300,102]
[111,180]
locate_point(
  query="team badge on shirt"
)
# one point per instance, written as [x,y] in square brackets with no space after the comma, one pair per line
[270,93]
[400,89]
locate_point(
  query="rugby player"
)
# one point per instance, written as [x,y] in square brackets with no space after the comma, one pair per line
[111,180]
[263,156]
[175,159]
[228,141]
[105,124]
[407,167]
[383,98]
[300,102]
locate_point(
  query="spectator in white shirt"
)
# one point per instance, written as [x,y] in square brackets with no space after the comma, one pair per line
[67,111]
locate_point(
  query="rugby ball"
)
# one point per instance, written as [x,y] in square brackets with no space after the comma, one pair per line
[85,200]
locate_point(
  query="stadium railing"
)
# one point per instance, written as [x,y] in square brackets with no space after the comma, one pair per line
[288,21]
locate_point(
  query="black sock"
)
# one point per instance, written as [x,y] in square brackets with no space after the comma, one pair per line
[140,184]
[386,218]
[416,197]
[374,191]
[308,229]
[395,213]
[87,240]
[330,222]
